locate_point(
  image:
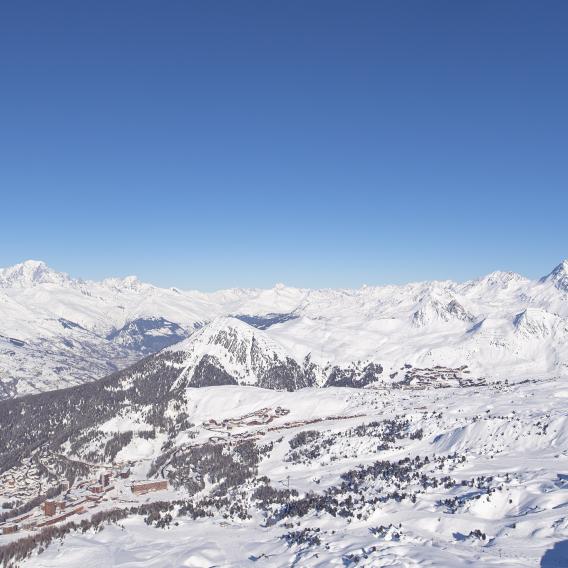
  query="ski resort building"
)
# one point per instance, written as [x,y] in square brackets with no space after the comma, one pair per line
[49,508]
[146,486]
[9,529]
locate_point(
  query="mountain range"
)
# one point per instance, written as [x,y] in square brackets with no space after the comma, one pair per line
[390,426]
[58,331]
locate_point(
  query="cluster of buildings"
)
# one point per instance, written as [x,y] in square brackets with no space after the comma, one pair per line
[85,495]
[104,483]
[255,418]
[437,377]
[21,483]
[57,511]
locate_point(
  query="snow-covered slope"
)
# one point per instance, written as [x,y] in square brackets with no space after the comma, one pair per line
[471,474]
[56,330]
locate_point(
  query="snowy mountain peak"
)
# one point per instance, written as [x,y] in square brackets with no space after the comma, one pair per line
[128,283]
[499,279]
[432,311]
[31,273]
[559,276]
[229,351]
[232,335]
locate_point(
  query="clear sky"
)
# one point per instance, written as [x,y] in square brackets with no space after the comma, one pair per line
[319,143]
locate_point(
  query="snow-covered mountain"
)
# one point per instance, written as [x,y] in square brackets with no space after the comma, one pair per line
[56,330]
[451,451]
[228,351]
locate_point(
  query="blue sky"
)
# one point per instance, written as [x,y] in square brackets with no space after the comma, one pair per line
[318,143]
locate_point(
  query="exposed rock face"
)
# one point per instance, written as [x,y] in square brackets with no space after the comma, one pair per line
[559,276]
[455,309]
[433,311]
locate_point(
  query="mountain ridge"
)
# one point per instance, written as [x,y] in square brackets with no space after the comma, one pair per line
[31,271]
[61,330]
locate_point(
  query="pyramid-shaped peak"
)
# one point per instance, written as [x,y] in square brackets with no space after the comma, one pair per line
[562,268]
[559,276]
